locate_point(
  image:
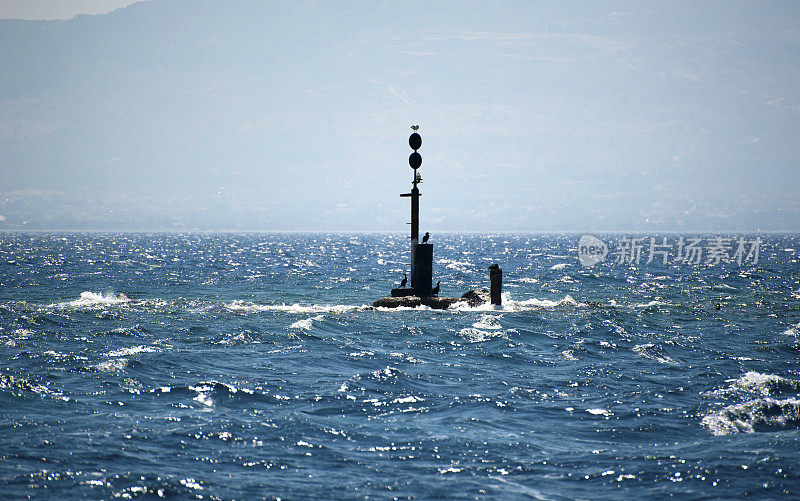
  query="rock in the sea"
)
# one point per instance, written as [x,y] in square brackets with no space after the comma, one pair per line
[476,297]
[595,304]
[437,303]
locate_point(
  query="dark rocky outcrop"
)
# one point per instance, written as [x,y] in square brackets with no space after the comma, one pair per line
[437,303]
[476,297]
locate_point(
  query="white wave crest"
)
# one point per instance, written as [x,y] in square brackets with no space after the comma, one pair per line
[487,322]
[240,306]
[762,414]
[305,324]
[765,384]
[124,352]
[512,305]
[793,331]
[473,335]
[569,355]
[407,400]
[249,307]
[649,304]
[421,307]
[114,365]
[386,373]
[559,266]
[465,306]
[93,299]
[540,303]
[653,352]
[17,383]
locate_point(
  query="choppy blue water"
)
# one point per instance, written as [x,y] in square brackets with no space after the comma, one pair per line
[252,366]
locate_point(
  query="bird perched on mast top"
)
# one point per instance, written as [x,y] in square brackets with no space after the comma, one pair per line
[415,128]
[426,237]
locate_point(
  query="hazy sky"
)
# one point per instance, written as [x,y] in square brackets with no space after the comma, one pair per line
[272,115]
[57,9]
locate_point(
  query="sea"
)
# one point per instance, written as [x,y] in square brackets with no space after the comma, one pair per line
[253,366]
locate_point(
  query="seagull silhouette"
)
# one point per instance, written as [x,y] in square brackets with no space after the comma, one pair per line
[415,127]
[425,237]
[404,280]
[435,290]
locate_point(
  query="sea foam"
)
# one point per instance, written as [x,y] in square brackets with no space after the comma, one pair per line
[89,299]
[761,414]
[249,307]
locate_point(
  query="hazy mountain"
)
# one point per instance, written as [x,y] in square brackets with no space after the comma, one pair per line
[295,115]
